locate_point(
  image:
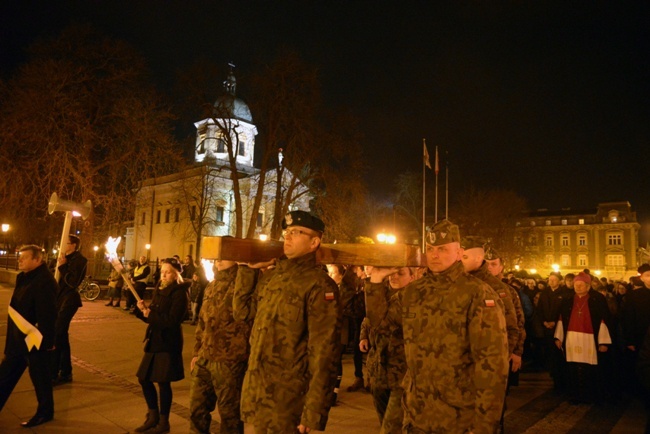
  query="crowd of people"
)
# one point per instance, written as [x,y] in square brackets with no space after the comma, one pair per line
[444,343]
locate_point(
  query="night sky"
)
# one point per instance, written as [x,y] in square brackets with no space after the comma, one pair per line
[546,99]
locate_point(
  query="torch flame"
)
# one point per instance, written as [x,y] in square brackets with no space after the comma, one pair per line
[111,252]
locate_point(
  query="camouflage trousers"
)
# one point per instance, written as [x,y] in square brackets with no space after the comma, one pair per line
[388,404]
[216,384]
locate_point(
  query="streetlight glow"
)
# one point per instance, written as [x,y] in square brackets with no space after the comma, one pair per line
[264,237]
[555,267]
[147,246]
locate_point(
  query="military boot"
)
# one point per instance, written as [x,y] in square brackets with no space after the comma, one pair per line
[162,427]
[357,385]
[151,421]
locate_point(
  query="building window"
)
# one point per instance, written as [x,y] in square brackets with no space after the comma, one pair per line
[221,145]
[564,222]
[193,213]
[157,216]
[177,215]
[565,240]
[581,221]
[532,240]
[565,260]
[550,259]
[220,211]
[548,240]
[582,261]
[582,239]
[144,218]
[614,239]
[167,212]
[547,223]
[242,149]
[615,260]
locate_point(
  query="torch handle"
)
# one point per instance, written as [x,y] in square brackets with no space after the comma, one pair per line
[127,280]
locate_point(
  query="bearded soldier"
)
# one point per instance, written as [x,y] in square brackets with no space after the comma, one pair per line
[296,336]
[454,339]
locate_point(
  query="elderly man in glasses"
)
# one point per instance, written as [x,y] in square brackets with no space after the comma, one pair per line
[295,338]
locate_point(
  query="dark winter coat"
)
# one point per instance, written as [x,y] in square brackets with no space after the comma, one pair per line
[33,298]
[168,309]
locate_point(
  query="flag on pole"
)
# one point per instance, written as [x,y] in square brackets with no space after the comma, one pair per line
[426,155]
[437,169]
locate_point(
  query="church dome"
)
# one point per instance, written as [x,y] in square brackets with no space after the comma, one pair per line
[230,107]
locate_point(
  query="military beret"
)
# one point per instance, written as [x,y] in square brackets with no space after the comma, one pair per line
[643,268]
[443,232]
[472,242]
[491,254]
[304,219]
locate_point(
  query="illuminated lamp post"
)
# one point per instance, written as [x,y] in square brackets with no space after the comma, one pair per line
[5,229]
[383,238]
[148,249]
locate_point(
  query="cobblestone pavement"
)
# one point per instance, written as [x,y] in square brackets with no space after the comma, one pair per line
[105,396]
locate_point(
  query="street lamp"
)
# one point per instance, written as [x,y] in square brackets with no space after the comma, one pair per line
[383,238]
[555,267]
[5,229]
[95,248]
[264,237]
[148,248]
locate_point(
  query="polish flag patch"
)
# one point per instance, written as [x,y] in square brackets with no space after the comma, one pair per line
[329,296]
[489,303]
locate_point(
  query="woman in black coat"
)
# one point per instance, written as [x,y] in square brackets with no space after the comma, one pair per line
[163,345]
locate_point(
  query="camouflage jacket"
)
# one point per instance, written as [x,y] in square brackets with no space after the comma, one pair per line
[503,291]
[456,350]
[219,337]
[521,321]
[295,341]
[386,361]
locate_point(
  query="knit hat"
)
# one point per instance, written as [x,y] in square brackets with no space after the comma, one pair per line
[174,263]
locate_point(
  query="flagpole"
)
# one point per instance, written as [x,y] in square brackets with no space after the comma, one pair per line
[446,185]
[425,157]
[436,212]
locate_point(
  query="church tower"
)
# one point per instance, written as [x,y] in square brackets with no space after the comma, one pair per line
[231,118]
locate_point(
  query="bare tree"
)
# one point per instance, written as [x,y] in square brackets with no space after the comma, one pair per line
[492,214]
[81,119]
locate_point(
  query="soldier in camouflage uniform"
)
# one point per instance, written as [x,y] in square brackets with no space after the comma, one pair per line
[386,361]
[473,258]
[454,338]
[220,356]
[296,336]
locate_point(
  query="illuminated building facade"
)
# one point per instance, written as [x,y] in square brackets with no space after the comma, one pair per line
[605,240]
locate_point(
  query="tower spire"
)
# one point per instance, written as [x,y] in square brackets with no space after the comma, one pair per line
[230,84]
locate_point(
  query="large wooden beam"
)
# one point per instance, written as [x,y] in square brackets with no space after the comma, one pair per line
[378,255]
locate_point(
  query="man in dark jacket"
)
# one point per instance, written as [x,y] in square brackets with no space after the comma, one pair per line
[72,269]
[33,300]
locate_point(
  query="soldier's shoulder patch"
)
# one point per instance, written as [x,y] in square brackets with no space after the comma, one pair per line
[329,296]
[490,303]
[502,294]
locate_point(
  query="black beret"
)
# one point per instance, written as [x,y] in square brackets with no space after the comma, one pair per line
[304,219]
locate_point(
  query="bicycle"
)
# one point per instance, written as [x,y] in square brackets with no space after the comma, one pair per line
[89,289]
